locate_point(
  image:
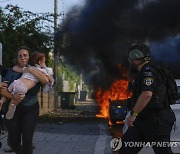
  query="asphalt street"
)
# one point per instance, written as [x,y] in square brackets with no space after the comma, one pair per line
[84,136]
[71,131]
[74,137]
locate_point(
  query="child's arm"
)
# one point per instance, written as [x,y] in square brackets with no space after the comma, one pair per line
[17,97]
[50,74]
[16,68]
[51,78]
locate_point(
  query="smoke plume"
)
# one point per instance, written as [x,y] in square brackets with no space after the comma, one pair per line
[96,37]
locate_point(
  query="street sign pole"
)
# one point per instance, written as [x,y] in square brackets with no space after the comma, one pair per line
[55,55]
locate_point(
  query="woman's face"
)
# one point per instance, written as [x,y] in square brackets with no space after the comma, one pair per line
[23,57]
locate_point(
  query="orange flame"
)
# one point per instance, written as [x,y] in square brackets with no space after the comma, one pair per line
[117,91]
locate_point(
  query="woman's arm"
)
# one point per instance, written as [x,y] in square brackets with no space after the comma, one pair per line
[17,97]
[39,75]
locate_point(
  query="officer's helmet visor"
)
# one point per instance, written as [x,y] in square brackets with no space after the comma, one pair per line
[136,54]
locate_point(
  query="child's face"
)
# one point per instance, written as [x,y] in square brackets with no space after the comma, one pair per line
[42,62]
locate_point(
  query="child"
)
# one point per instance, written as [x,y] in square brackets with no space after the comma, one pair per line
[27,80]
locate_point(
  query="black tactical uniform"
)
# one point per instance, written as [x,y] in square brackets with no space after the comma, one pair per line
[154,123]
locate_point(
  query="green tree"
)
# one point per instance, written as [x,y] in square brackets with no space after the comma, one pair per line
[69,74]
[34,30]
[24,28]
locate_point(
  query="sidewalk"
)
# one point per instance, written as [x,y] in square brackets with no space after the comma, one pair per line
[77,131]
[83,110]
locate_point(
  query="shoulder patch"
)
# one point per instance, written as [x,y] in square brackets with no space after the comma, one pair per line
[148,81]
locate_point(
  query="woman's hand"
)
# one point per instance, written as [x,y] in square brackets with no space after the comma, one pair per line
[26,70]
[3,85]
[17,98]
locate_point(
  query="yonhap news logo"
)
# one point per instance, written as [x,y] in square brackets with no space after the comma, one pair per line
[116,144]
[157,144]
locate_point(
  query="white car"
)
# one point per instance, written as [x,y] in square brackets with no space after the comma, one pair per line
[175,134]
[178,84]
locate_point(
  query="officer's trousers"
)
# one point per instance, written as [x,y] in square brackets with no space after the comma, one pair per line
[152,131]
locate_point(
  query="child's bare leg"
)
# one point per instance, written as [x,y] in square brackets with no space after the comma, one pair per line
[12,109]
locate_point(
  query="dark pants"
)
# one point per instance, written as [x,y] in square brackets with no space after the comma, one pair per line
[22,126]
[154,128]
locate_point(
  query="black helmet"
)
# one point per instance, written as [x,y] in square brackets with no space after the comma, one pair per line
[140,51]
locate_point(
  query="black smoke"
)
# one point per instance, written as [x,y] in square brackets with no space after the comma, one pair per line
[96,37]
[168,51]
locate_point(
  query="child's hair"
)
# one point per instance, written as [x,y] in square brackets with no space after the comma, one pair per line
[35,58]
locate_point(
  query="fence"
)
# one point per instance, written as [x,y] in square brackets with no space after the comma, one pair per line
[46,102]
[66,100]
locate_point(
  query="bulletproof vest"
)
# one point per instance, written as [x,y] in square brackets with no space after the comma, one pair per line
[159,97]
[158,100]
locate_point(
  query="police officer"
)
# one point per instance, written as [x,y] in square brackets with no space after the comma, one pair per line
[150,122]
